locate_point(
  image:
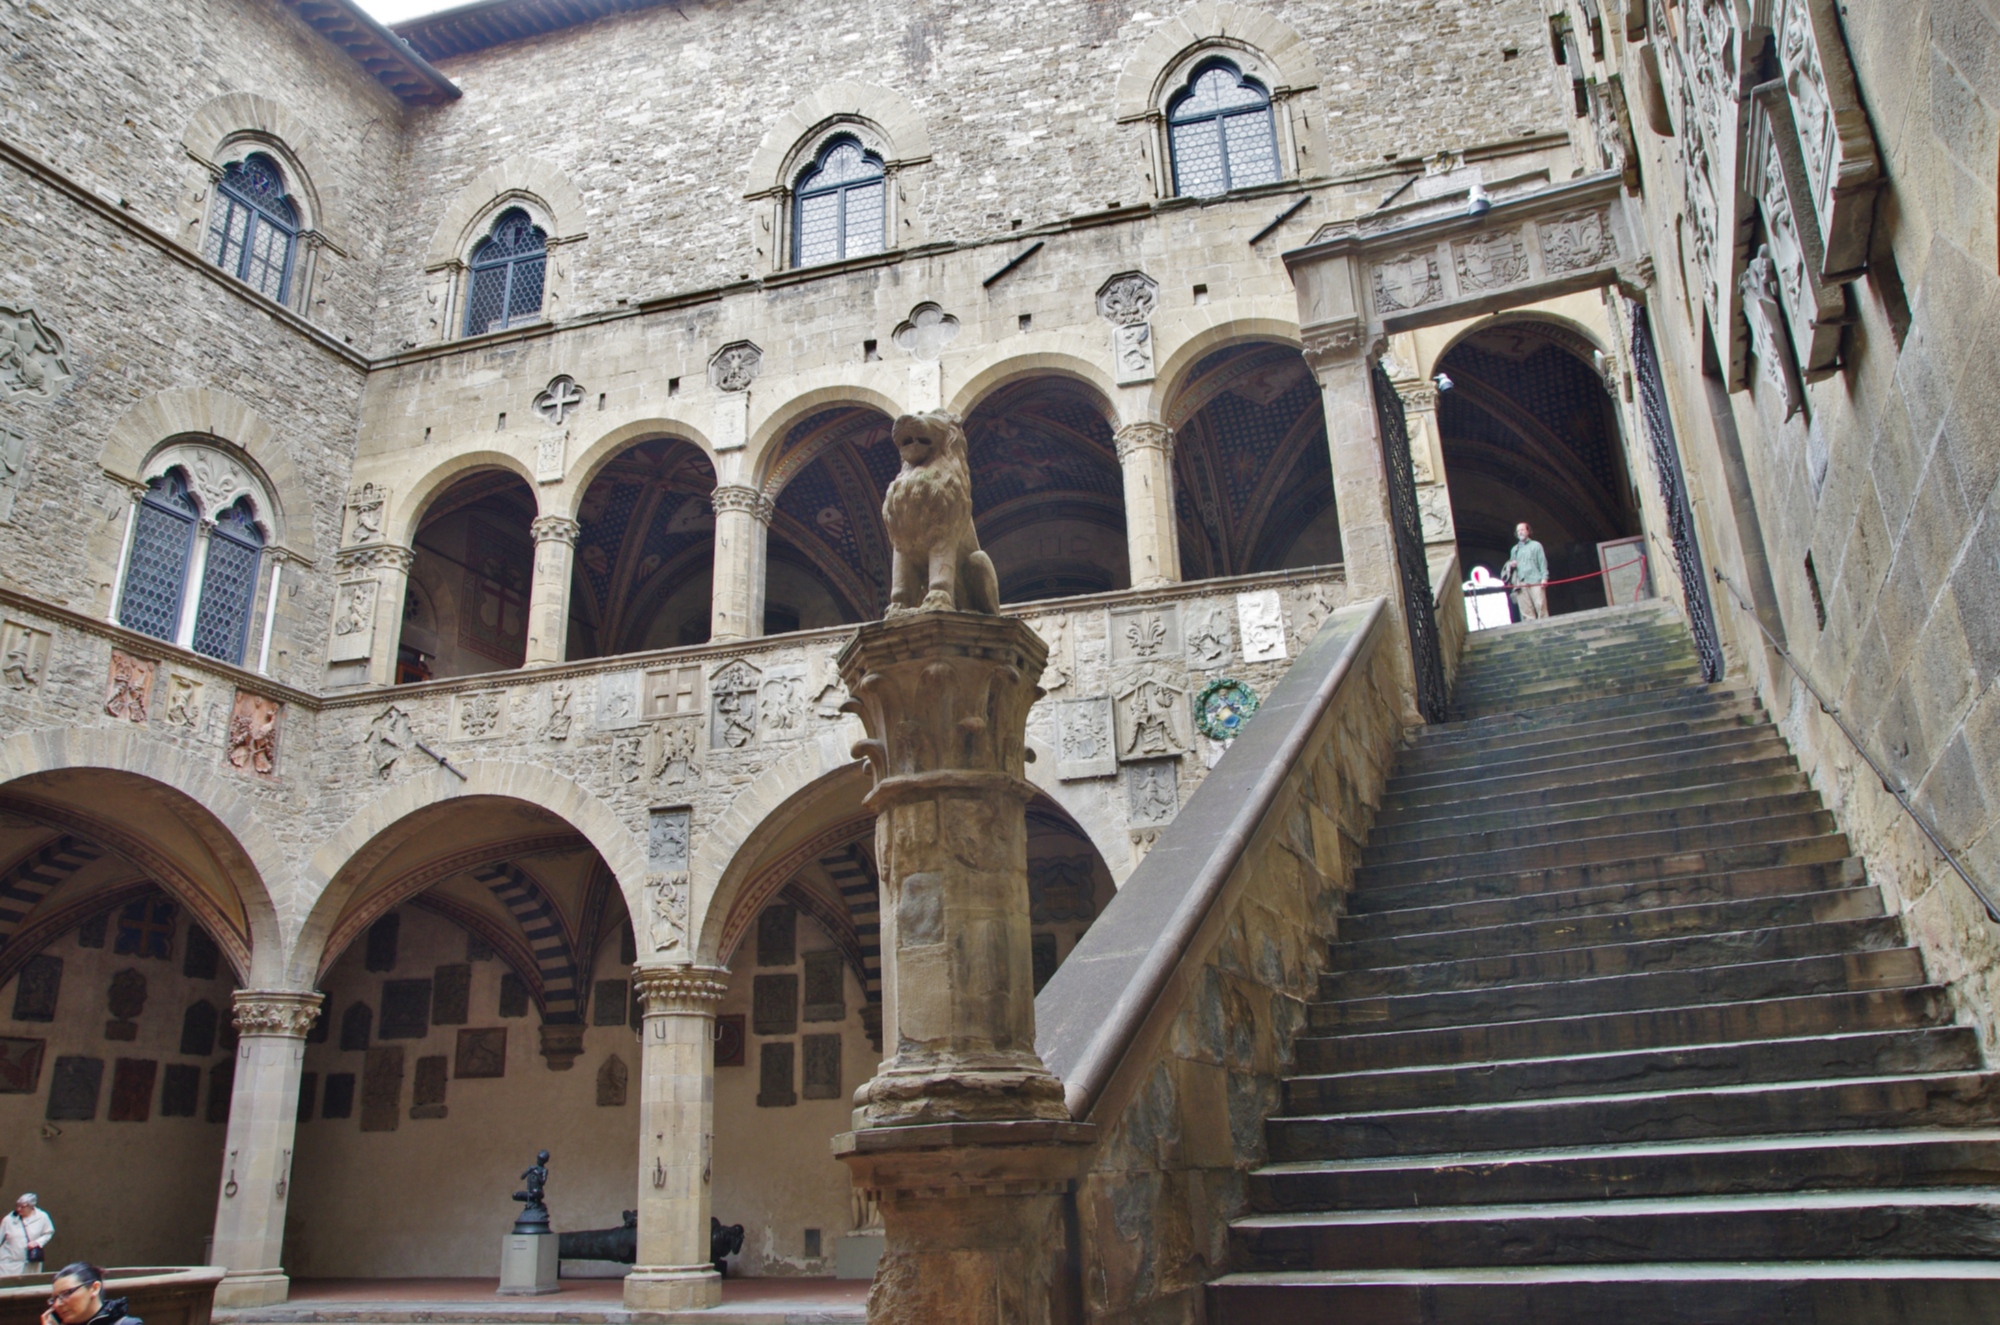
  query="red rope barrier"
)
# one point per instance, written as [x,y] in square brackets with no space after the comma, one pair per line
[1640,560]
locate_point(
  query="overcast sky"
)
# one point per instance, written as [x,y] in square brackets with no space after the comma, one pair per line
[394,11]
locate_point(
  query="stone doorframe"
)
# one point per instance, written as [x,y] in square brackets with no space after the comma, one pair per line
[1394,270]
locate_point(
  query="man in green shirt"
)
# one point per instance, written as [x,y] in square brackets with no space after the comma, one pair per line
[1528,570]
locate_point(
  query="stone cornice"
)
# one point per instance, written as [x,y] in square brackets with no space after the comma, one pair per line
[375,556]
[276,1011]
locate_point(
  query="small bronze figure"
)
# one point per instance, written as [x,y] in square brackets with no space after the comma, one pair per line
[534,1216]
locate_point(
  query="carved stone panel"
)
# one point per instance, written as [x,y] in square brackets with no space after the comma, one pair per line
[180,1090]
[32,358]
[1406,281]
[73,1089]
[129,691]
[1132,353]
[782,703]
[1578,241]
[774,1005]
[24,655]
[1152,791]
[353,621]
[778,935]
[554,403]
[13,470]
[822,1067]
[1492,260]
[338,1099]
[1084,741]
[253,733]
[1057,670]
[427,1090]
[732,693]
[1152,717]
[735,366]
[481,1053]
[37,988]
[451,995]
[825,985]
[1434,512]
[1838,153]
[1261,616]
[406,1009]
[613,1078]
[365,506]
[671,690]
[774,1078]
[667,841]
[676,753]
[132,1090]
[479,715]
[183,701]
[1815,309]
[1768,339]
[667,883]
[1145,634]
[618,701]
[1211,635]
[557,725]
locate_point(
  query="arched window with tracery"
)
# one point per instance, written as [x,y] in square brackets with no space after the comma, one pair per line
[253,226]
[156,571]
[839,209]
[1221,132]
[507,271]
[195,552]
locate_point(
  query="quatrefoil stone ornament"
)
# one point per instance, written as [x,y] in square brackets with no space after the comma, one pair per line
[927,332]
[557,399]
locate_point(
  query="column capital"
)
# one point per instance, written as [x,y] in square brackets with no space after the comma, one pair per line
[1419,396]
[285,1012]
[679,990]
[1337,344]
[737,497]
[374,556]
[554,529]
[1145,435]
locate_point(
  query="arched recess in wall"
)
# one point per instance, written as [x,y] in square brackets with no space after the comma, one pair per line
[797,924]
[1048,495]
[889,134]
[645,553]
[133,909]
[1529,432]
[552,207]
[827,554]
[466,605]
[1257,46]
[476,956]
[220,138]
[1253,479]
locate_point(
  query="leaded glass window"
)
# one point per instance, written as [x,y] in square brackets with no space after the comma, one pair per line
[156,574]
[254,226]
[1222,134]
[228,584]
[840,210]
[507,269]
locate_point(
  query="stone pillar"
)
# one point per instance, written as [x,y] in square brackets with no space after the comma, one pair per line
[742,525]
[257,1156]
[548,595]
[962,1135]
[676,1139]
[368,623]
[1344,363]
[1152,535]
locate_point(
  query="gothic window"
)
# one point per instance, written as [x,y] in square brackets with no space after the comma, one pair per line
[1221,132]
[254,226]
[228,584]
[507,269]
[156,574]
[839,210]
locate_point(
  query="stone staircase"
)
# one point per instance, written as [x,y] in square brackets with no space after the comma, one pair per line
[1616,1024]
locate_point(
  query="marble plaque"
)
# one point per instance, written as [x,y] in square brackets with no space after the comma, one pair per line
[825,986]
[608,1003]
[513,995]
[198,1025]
[1261,616]
[37,987]
[822,1067]
[1145,634]
[1152,716]
[20,1065]
[777,935]
[618,703]
[382,1090]
[1085,744]
[338,1100]
[774,1005]
[357,1027]
[481,1053]
[427,1092]
[180,1090]
[406,1009]
[132,1090]
[774,1078]
[1152,791]
[73,1089]
[1211,635]
[451,995]
[612,1079]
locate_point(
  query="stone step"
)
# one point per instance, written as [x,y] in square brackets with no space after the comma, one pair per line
[1864,1054]
[1677,953]
[1627,924]
[1710,1022]
[1909,1224]
[1966,1099]
[1886,968]
[1841,1162]
[1692,699]
[1584,822]
[1780,881]
[1858,1292]
[1389,894]
[1530,684]
[1551,750]
[1583,849]
[1749,777]
[1473,703]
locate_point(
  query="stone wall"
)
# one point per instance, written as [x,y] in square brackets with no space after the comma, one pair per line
[1884,478]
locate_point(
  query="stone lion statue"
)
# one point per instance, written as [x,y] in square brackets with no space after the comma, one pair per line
[936,563]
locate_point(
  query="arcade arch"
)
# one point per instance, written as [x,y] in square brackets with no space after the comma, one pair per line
[645,551]
[465,609]
[827,555]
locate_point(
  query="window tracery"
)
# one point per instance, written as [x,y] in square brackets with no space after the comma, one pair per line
[508,267]
[195,553]
[839,209]
[254,226]
[1220,132]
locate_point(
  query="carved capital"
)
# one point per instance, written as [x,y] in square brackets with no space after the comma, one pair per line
[745,499]
[376,556]
[1145,436]
[276,1011]
[555,529]
[1332,344]
[1418,397]
[679,991]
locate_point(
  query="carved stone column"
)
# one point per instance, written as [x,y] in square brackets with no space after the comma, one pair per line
[1146,457]
[257,1157]
[548,595]
[1343,360]
[962,1134]
[676,1137]
[742,526]
[370,584]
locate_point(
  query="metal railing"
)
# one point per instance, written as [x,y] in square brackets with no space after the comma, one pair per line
[1890,782]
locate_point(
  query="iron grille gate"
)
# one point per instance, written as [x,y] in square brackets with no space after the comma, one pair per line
[1673,493]
[1419,613]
